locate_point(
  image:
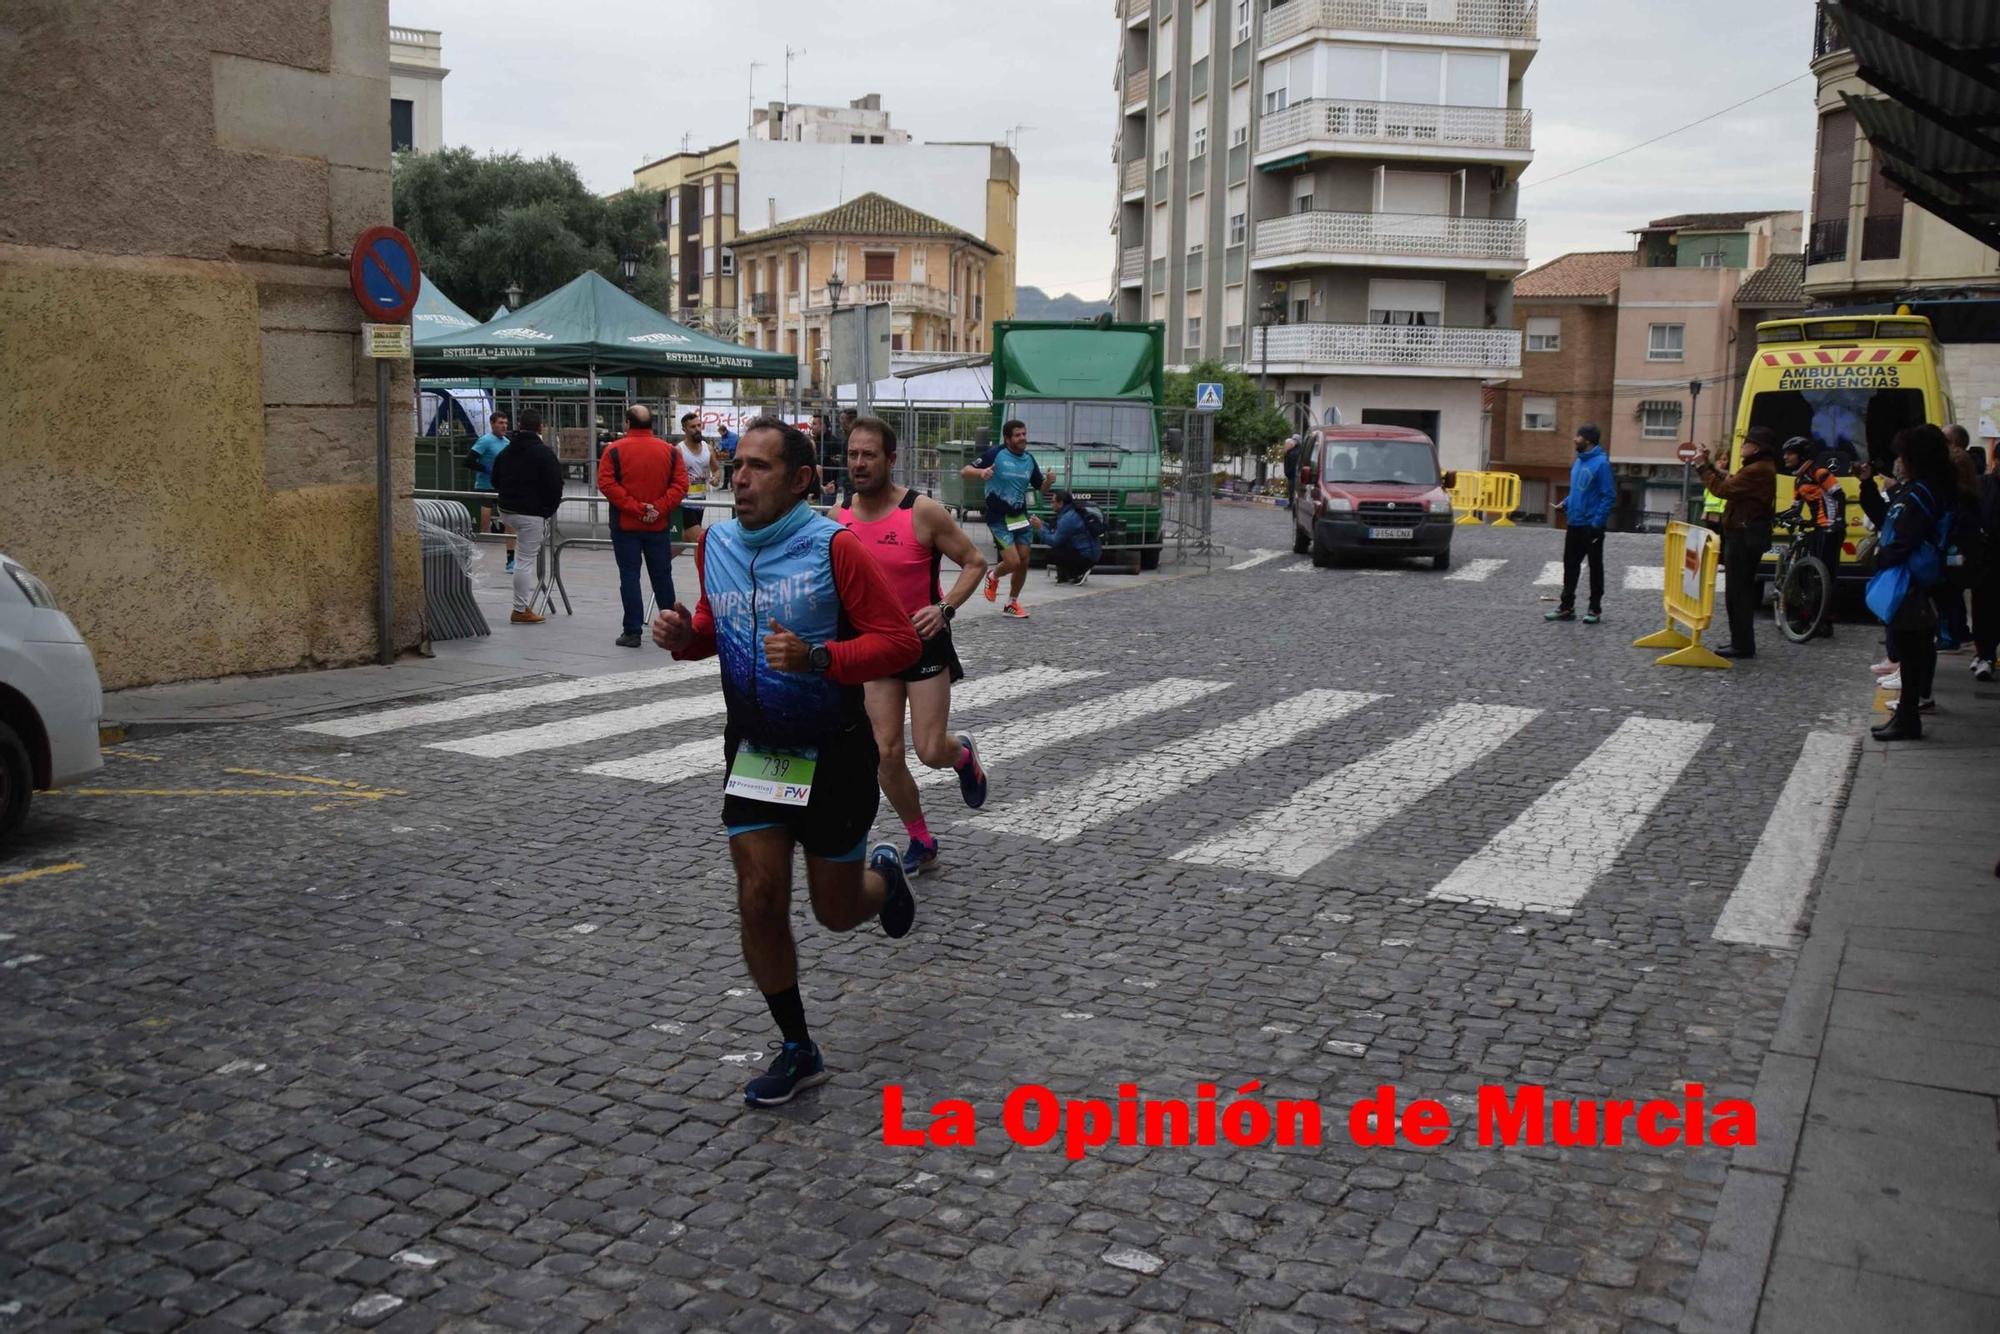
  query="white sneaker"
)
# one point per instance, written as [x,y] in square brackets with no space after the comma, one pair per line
[1982,670]
[1882,668]
[1893,681]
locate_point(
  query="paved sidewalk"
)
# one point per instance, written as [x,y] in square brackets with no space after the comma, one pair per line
[1870,1202]
[579,644]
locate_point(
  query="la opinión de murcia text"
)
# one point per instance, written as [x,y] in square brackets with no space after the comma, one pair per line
[1034,1116]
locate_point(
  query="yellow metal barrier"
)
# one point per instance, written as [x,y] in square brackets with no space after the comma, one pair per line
[1466,489]
[1692,553]
[1500,497]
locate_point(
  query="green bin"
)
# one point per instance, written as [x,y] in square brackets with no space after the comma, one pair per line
[956,492]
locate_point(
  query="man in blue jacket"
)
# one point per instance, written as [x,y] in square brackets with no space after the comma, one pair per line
[1592,492]
[1074,545]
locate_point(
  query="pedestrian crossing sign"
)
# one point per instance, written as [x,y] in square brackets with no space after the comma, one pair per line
[1208,398]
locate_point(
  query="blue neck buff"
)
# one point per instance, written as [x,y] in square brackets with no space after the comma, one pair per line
[779,529]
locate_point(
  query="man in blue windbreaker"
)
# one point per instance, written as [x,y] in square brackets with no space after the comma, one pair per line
[1592,492]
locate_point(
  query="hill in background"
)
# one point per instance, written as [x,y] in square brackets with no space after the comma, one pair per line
[1032,303]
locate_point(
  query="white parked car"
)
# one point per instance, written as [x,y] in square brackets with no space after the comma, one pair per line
[50,702]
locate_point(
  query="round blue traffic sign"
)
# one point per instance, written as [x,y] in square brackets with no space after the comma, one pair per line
[383,272]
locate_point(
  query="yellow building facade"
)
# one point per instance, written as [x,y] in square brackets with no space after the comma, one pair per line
[932,276]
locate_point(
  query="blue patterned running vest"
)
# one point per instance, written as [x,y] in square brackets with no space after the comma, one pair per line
[789,581]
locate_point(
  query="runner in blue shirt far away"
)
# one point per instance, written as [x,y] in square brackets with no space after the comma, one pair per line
[1010,473]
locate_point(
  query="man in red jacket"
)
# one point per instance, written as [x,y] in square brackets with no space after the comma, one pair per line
[644,479]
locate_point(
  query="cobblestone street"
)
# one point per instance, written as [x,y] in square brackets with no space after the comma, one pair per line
[431,1015]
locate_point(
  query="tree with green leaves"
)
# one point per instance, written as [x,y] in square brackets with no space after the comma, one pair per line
[481,223]
[1245,426]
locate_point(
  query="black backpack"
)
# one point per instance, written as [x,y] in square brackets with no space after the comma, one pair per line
[1093,521]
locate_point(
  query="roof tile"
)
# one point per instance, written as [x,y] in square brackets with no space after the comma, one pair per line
[864,215]
[1779,283]
[1585,273]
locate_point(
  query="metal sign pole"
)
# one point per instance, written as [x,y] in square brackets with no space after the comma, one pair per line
[384,586]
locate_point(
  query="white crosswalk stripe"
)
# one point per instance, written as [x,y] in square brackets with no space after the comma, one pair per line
[675,764]
[1476,571]
[1551,855]
[1256,558]
[588,727]
[1334,812]
[1764,909]
[490,703]
[1064,812]
[1645,578]
[1025,736]
[1551,575]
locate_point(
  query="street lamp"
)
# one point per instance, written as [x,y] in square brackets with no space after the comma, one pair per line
[514,295]
[835,285]
[628,267]
[1267,314]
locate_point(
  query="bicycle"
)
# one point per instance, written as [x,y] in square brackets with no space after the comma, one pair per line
[1802,583]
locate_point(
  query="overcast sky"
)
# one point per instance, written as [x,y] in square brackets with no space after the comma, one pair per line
[611,84]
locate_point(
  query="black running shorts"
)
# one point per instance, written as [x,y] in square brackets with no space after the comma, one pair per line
[834,822]
[938,656]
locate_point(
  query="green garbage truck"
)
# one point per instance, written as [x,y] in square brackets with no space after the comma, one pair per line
[1090,395]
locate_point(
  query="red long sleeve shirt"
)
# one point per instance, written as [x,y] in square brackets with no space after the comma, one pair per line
[882,642]
[639,469]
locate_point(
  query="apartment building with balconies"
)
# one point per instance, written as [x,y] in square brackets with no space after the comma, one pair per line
[1323,192]
[1870,246]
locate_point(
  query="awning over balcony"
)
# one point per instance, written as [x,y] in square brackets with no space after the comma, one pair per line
[1937,130]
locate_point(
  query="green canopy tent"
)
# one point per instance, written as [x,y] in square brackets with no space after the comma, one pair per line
[588,325]
[436,316]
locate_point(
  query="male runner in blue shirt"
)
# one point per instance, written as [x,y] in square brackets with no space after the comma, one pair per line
[1010,473]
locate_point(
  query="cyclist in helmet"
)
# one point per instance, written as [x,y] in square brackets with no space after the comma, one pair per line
[1820,502]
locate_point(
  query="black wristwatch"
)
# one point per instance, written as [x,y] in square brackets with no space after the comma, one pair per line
[820,659]
[948,610]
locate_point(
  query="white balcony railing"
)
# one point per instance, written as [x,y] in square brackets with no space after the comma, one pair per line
[1421,347]
[1513,19]
[1132,265]
[1417,235]
[898,296]
[1323,120]
[1134,176]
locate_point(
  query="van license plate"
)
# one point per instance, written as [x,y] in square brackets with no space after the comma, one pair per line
[1392,534]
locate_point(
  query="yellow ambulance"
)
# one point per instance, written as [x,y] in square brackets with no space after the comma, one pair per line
[1848,383]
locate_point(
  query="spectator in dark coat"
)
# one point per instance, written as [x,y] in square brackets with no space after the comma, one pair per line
[529,481]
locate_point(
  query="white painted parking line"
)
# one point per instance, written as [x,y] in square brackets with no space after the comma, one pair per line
[1645,578]
[1255,559]
[1025,736]
[1551,855]
[1476,571]
[488,703]
[1551,575]
[1117,789]
[1766,905]
[675,764]
[588,727]
[1303,567]
[1334,812]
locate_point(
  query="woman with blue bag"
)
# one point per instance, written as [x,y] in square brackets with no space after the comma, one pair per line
[1909,560]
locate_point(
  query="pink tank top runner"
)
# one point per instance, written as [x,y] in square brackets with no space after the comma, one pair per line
[909,565]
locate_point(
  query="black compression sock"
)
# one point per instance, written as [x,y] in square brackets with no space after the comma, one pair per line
[790,1012]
